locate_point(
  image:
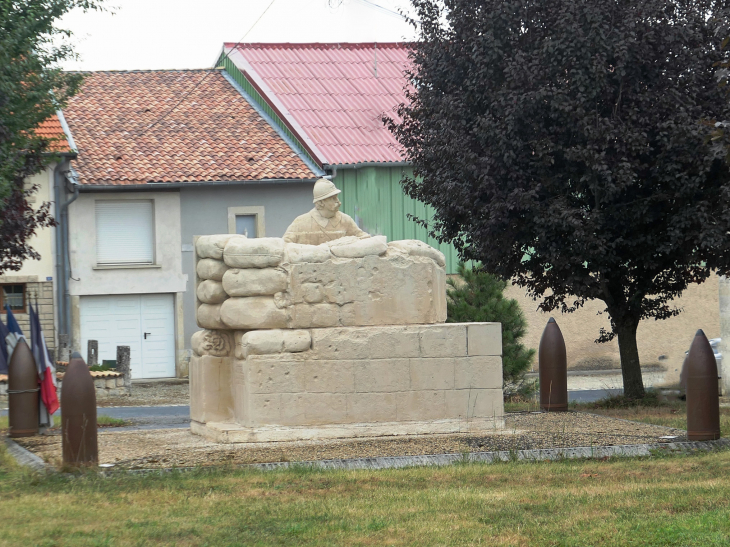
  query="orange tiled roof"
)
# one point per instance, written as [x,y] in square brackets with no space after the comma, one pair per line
[51,129]
[212,135]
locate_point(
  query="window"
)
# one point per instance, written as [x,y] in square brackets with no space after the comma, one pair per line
[248,221]
[125,232]
[246,225]
[14,296]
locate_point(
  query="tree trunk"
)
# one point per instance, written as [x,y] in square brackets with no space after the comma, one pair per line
[630,366]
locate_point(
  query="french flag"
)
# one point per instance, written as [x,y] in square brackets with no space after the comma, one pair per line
[44,365]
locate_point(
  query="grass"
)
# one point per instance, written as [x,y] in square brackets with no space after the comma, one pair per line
[672,500]
[108,421]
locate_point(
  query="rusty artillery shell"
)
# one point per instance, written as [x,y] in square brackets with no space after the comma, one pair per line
[78,415]
[553,366]
[23,392]
[703,403]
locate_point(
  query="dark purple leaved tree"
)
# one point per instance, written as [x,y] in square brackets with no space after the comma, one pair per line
[566,145]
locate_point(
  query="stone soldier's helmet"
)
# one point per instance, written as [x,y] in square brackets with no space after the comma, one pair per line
[324,189]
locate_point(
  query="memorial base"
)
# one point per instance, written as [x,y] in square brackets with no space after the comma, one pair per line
[347,382]
[234,433]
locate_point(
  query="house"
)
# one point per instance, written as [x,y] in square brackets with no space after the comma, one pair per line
[330,99]
[36,281]
[164,156]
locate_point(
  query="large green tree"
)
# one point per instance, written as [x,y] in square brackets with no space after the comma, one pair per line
[565,144]
[32,88]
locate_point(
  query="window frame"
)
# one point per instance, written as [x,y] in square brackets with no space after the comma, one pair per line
[256,211]
[25,297]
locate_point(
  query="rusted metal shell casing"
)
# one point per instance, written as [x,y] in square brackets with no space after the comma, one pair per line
[23,392]
[703,402]
[553,367]
[78,415]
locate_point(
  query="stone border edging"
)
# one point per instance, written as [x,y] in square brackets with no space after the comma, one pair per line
[399,462]
[396,462]
[25,457]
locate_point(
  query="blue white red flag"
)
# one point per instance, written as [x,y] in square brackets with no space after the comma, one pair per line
[14,332]
[46,371]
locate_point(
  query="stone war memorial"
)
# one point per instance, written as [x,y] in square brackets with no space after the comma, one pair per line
[331,333]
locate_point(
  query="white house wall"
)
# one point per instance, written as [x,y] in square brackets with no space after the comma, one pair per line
[164,276]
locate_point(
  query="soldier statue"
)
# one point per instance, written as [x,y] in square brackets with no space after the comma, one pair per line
[325,222]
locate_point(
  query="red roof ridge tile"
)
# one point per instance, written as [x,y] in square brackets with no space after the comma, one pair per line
[314,45]
[144,70]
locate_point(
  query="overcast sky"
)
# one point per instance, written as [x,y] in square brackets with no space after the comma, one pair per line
[163,34]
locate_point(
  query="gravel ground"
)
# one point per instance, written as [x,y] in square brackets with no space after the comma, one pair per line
[178,447]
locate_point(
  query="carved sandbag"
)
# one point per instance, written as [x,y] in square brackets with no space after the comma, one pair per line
[298,253]
[262,252]
[209,268]
[211,292]
[254,281]
[361,248]
[209,316]
[212,246]
[414,247]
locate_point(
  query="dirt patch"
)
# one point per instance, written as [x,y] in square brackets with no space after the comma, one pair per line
[179,448]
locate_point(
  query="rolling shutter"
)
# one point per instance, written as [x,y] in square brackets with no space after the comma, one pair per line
[124,232]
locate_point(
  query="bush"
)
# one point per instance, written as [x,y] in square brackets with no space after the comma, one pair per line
[480,298]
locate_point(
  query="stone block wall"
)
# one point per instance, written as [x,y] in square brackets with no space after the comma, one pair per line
[346,381]
[42,292]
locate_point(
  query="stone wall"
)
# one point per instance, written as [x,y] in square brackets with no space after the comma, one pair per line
[346,382]
[660,343]
[36,291]
[107,384]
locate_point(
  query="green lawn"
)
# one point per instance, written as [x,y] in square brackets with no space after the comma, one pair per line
[674,500]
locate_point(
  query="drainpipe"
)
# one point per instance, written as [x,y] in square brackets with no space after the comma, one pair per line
[63,173]
[71,177]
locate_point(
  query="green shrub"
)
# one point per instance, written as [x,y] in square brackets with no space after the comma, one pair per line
[480,297]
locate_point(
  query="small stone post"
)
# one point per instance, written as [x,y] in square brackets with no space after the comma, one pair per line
[63,352]
[124,367]
[92,353]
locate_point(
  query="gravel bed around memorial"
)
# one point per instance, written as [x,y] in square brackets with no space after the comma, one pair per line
[179,448]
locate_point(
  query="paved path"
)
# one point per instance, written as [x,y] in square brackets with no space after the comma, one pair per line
[143,417]
[149,417]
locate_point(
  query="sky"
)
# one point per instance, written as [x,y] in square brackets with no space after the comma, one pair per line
[170,34]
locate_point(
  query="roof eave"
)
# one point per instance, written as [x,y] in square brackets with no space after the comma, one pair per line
[156,186]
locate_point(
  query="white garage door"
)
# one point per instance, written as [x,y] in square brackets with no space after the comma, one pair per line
[144,322]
